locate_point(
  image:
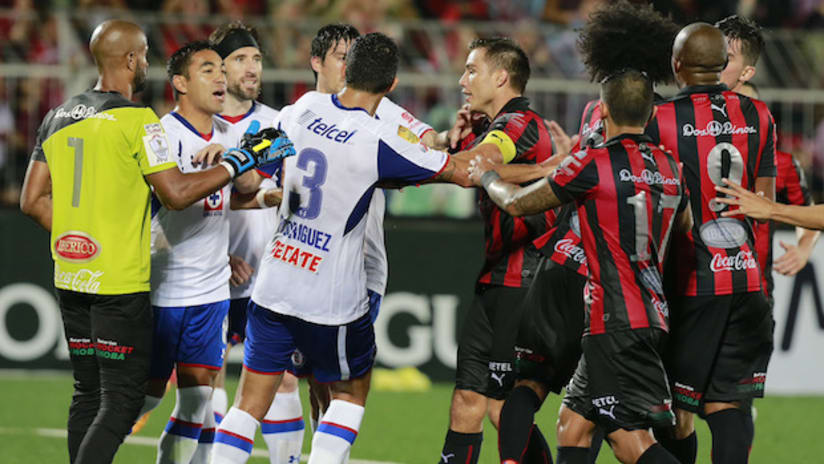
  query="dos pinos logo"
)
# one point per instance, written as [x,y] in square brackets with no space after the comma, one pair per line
[77,247]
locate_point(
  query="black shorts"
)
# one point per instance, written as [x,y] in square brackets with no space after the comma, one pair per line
[620,382]
[485,349]
[236,332]
[548,346]
[719,348]
[109,337]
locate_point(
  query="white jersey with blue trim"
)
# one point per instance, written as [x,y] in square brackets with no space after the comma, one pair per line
[250,229]
[313,268]
[377,266]
[190,261]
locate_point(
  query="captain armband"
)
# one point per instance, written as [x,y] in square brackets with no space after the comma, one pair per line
[503,142]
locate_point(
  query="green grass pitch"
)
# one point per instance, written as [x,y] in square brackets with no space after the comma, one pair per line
[398,427]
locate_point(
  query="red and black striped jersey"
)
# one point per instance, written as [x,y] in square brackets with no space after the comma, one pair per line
[562,243]
[628,193]
[716,134]
[790,189]
[508,261]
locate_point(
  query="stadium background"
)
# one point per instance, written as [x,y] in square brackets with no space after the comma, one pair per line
[434,237]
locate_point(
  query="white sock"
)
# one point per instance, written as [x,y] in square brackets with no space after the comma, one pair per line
[283,427]
[203,452]
[234,438]
[149,403]
[220,403]
[336,433]
[178,442]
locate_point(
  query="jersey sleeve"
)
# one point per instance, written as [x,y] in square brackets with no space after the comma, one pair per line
[392,112]
[152,146]
[575,178]
[400,160]
[37,153]
[513,135]
[796,191]
[766,167]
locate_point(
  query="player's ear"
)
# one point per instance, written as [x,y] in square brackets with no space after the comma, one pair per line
[316,63]
[394,84]
[131,61]
[652,113]
[501,77]
[747,74]
[602,107]
[179,83]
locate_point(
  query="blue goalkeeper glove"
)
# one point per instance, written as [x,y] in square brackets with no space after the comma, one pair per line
[258,149]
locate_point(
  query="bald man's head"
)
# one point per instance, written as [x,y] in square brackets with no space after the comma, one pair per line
[119,49]
[701,46]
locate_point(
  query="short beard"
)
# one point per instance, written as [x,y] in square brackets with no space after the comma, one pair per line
[139,81]
[237,92]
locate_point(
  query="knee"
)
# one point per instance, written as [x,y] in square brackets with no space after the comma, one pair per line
[684,424]
[573,429]
[288,384]
[468,411]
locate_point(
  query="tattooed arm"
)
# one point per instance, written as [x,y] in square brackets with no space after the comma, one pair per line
[520,201]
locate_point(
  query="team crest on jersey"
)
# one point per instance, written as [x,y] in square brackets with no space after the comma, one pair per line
[213,204]
[78,247]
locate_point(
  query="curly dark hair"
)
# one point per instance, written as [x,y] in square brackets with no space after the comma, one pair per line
[748,32]
[622,35]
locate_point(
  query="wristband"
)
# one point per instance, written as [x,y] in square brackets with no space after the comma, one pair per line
[489,177]
[229,168]
[261,198]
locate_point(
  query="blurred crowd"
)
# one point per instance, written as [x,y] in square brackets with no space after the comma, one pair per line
[432,34]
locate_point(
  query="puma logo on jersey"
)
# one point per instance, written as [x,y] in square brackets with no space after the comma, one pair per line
[609,413]
[721,109]
[498,378]
[446,457]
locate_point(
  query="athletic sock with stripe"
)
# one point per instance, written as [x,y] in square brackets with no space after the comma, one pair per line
[336,433]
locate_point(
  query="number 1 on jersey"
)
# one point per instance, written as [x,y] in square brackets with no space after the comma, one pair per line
[77,144]
[639,204]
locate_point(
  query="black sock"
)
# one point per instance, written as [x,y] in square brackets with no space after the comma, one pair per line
[461,448]
[572,455]
[657,454]
[537,451]
[595,446]
[685,449]
[515,428]
[732,432]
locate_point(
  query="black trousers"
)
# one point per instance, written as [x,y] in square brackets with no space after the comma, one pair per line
[110,342]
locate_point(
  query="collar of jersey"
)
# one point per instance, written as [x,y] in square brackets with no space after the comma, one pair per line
[235,119]
[337,103]
[637,138]
[189,126]
[516,104]
[715,88]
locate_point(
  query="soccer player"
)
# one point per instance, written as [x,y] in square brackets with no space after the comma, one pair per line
[190,263]
[548,345]
[496,74]
[311,289]
[88,183]
[249,230]
[744,45]
[721,338]
[629,193]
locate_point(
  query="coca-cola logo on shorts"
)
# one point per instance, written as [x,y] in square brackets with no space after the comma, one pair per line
[723,233]
[77,247]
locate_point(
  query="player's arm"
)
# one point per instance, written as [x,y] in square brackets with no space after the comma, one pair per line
[447,139]
[758,207]
[36,199]
[176,190]
[684,221]
[456,171]
[796,256]
[519,201]
[263,198]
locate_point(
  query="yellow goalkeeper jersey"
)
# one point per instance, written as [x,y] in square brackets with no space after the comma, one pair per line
[98,146]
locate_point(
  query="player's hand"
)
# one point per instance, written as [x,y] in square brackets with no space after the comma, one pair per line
[563,142]
[477,167]
[209,155]
[793,260]
[462,127]
[268,145]
[241,271]
[748,203]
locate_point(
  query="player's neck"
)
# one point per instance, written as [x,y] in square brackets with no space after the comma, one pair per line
[234,107]
[499,101]
[693,79]
[199,119]
[614,130]
[109,83]
[353,98]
